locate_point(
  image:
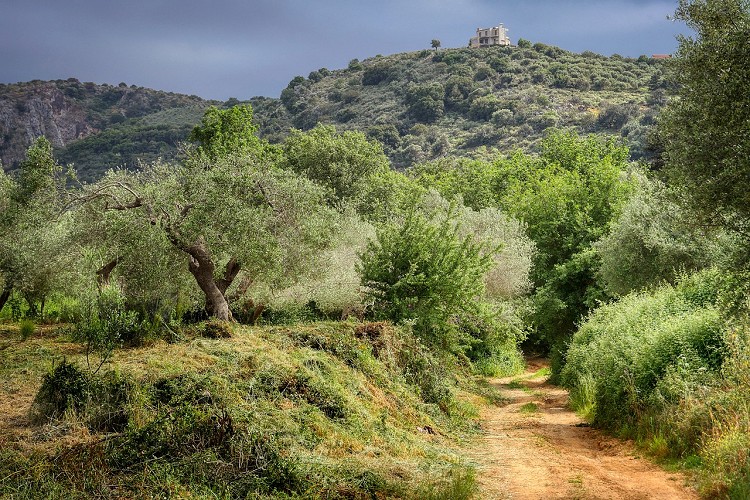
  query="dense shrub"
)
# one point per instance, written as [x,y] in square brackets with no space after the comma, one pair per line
[106,323]
[378,73]
[423,271]
[653,241]
[482,108]
[425,102]
[633,349]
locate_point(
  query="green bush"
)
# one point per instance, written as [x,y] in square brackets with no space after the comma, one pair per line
[639,349]
[422,271]
[493,345]
[26,328]
[377,73]
[425,102]
[106,323]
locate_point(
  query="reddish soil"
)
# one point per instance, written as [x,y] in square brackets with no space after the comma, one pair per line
[535,447]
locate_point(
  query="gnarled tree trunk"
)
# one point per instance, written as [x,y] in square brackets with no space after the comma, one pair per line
[102,275]
[5,295]
[202,268]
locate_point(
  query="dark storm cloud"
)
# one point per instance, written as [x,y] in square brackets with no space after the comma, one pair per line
[244,48]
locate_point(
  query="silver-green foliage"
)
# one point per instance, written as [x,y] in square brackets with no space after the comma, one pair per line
[36,251]
[653,240]
[334,285]
[227,210]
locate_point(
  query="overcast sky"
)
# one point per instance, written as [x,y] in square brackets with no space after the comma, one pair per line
[243,48]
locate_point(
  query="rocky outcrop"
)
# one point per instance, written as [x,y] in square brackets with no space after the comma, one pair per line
[65,111]
[37,109]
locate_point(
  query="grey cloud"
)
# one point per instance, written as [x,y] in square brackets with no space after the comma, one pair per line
[254,47]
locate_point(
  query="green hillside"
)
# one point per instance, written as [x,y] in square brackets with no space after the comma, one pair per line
[429,104]
[70,112]
[420,105]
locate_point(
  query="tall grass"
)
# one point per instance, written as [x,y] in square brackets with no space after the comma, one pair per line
[671,369]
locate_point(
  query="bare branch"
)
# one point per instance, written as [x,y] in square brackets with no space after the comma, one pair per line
[104,192]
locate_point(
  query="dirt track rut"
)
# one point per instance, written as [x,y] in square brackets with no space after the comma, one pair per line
[535,447]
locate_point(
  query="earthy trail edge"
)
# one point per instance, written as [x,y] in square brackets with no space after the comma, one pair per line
[535,447]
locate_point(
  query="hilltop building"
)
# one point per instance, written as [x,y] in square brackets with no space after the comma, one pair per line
[487,37]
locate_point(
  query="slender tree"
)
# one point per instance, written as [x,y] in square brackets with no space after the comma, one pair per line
[35,250]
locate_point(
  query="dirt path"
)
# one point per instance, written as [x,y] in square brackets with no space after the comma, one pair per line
[536,448]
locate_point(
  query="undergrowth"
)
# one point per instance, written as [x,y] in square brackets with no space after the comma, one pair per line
[331,410]
[670,368]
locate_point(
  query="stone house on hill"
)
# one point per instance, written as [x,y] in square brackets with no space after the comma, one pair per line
[487,37]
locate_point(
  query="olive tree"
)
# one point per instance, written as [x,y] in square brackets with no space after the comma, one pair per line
[654,240]
[35,248]
[342,162]
[229,212]
[705,130]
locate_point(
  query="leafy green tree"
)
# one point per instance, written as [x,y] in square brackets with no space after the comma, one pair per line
[705,130]
[122,248]
[568,197]
[524,44]
[474,180]
[424,271]
[228,131]
[233,214]
[435,44]
[35,251]
[654,241]
[387,195]
[342,162]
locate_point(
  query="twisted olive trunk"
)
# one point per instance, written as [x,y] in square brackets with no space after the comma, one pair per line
[5,295]
[202,268]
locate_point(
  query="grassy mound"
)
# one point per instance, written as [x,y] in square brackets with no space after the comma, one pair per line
[332,410]
[670,368]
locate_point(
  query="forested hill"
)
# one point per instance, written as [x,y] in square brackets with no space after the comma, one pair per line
[428,104]
[68,111]
[420,105]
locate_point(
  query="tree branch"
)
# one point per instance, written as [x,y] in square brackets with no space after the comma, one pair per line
[102,275]
[230,273]
[104,192]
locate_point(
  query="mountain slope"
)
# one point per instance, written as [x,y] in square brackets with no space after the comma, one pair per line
[420,105]
[68,111]
[428,104]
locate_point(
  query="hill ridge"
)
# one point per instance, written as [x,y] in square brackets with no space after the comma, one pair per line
[422,105]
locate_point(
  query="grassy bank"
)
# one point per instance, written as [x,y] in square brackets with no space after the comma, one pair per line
[334,410]
[669,367]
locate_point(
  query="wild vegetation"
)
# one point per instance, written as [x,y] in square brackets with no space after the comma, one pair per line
[421,106]
[675,356]
[433,104]
[288,315]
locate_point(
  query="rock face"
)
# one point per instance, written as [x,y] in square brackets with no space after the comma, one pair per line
[38,109]
[65,111]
